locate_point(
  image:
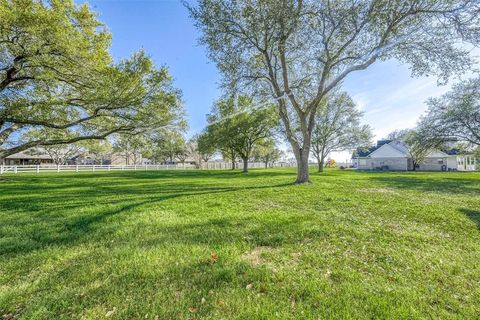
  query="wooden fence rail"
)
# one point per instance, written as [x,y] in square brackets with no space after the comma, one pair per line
[92,168]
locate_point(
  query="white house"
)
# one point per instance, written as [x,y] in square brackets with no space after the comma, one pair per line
[392,155]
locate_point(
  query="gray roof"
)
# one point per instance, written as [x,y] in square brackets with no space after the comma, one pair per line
[21,155]
[399,146]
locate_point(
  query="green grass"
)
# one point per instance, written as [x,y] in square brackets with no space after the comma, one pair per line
[131,245]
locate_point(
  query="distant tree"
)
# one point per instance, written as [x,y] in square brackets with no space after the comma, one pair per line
[131,147]
[59,153]
[267,152]
[397,135]
[220,131]
[99,150]
[206,146]
[56,74]
[185,152]
[454,116]
[192,150]
[476,154]
[236,126]
[297,51]
[168,146]
[62,153]
[338,128]
[417,147]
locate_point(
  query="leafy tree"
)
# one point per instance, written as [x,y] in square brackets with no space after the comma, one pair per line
[338,128]
[56,74]
[62,153]
[131,147]
[168,146]
[417,147]
[185,151]
[99,150]
[59,153]
[206,146]
[455,116]
[220,131]
[236,126]
[192,150]
[267,152]
[297,51]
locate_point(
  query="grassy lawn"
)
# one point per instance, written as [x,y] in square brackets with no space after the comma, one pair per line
[220,245]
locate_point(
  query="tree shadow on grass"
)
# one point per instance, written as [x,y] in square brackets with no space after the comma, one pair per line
[249,229]
[473,215]
[40,224]
[457,185]
[193,275]
[160,174]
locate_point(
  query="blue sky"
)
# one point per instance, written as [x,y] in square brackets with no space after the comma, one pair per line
[387,94]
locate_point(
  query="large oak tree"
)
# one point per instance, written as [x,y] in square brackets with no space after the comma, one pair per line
[297,51]
[57,78]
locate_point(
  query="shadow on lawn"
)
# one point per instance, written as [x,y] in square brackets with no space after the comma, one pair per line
[437,184]
[51,217]
[473,215]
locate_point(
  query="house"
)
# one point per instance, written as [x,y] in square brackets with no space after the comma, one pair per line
[39,157]
[393,155]
[26,158]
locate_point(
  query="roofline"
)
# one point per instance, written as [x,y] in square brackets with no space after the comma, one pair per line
[387,144]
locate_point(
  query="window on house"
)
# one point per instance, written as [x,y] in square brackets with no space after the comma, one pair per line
[362,162]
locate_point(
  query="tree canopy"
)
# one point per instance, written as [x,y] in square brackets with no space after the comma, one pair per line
[416,145]
[57,77]
[454,116]
[267,152]
[168,146]
[205,146]
[297,51]
[338,128]
[235,126]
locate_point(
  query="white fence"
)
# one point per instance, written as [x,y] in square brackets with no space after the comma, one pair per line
[93,168]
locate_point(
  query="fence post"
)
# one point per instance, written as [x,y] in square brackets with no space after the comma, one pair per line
[135,167]
[58,168]
[15,169]
[108,168]
[76,168]
[1,169]
[145,167]
[38,168]
[93,168]
[123,168]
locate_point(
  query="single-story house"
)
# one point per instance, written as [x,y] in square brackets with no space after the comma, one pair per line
[39,157]
[24,158]
[392,155]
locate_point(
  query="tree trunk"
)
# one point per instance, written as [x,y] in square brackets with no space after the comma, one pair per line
[245,164]
[303,175]
[321,163]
